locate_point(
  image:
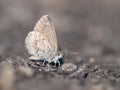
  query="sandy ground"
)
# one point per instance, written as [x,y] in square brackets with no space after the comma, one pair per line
[88,27]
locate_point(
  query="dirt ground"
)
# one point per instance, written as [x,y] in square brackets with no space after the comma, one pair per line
[89,28]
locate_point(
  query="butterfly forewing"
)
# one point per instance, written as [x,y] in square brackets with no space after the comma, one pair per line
[42,41]
[47,30]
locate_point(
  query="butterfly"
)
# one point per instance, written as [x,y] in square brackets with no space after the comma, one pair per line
[42,44]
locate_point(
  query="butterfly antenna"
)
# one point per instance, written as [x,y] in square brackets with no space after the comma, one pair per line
[76,53]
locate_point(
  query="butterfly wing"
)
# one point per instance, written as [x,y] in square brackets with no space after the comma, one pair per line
[47,30]
[41,43]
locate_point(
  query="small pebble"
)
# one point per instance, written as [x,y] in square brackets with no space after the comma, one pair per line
[68,68]
[92,60]
[25,71]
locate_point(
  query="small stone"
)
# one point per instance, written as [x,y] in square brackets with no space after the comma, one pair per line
[68,68]
[81,72]
[92,60]
[25,71]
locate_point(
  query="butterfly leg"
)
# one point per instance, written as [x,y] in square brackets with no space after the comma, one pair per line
[57,63]
[40,62]
[44,62]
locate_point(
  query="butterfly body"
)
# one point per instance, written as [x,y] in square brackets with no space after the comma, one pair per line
[41,43]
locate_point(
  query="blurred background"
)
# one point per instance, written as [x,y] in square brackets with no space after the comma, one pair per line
[90,27]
